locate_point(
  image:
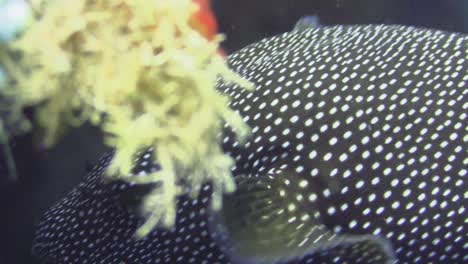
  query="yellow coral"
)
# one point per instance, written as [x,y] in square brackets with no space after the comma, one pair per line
[139,70]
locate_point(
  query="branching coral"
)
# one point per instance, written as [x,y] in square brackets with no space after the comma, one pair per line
[141,71]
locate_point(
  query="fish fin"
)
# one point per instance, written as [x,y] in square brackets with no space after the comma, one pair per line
[270,219]
[307,22]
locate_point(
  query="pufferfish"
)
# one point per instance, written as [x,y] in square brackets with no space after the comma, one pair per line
[358,154]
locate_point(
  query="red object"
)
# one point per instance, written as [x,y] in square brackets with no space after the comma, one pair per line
[203,20]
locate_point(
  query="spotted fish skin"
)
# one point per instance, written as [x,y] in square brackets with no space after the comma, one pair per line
[377,113]
[364,128]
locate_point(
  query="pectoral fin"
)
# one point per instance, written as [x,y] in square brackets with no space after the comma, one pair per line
[270,219]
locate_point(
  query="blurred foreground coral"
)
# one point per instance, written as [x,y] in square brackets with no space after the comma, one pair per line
[146,72]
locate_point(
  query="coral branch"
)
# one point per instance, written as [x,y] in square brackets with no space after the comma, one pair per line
[145,75]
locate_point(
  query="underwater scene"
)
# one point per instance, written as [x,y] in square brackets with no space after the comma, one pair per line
[233,132]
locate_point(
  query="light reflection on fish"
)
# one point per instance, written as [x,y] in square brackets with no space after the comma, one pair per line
[358,155]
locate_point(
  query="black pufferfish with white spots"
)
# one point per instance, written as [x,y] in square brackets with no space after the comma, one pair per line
[358,155]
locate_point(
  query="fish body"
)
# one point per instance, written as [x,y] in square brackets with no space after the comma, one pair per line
[358,154]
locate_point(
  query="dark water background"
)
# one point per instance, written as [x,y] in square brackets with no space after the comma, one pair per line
[46,176]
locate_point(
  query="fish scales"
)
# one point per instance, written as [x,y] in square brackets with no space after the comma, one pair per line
[358,154]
